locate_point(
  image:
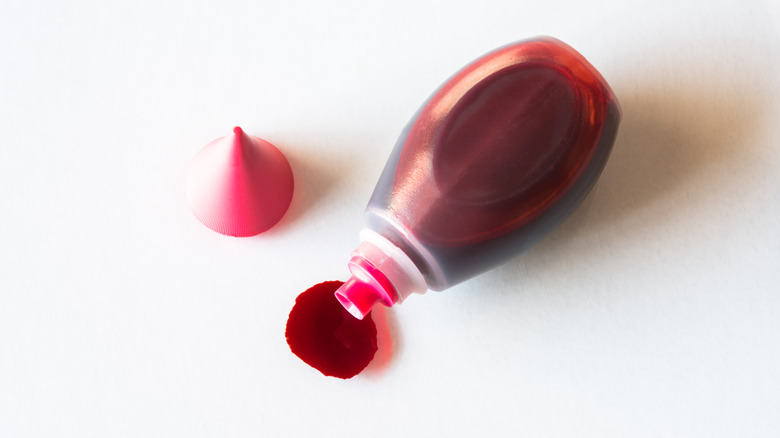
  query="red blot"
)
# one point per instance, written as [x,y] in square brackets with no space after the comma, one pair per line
[326,336]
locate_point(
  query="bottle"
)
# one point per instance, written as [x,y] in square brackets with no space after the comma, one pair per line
[498,156]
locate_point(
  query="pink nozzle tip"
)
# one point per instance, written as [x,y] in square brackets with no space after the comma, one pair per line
[239,185]
[359,297]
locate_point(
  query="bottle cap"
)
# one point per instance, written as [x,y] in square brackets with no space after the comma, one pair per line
[239,185]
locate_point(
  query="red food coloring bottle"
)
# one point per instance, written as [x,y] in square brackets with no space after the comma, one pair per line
[498,156]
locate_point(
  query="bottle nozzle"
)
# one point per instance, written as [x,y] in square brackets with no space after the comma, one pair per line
[381,272]
[364,289]
[358,297]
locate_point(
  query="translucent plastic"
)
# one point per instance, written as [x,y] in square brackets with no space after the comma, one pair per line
[239,185]
[496,158]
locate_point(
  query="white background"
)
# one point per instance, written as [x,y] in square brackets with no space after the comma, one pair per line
[653,312]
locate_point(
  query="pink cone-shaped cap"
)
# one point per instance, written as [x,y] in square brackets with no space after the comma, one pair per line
[239,185]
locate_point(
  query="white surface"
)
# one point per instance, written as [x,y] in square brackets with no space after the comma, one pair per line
[654,311]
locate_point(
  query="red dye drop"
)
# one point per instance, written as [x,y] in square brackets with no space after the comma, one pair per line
[326,336]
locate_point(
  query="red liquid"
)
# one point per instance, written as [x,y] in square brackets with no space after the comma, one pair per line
[326,336]
[500,155]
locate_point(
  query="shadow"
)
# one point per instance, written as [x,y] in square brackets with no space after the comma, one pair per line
[669,142]
[314,177]
[388,341]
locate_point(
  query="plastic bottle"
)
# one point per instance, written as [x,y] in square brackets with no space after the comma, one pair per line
[496,158]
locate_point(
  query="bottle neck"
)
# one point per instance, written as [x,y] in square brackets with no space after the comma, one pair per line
[381,273]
